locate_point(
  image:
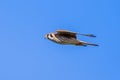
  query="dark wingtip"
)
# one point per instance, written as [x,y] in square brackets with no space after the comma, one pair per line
[90,35]
[96,45]
[92,44]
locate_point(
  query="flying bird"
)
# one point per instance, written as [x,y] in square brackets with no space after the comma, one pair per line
[68,37]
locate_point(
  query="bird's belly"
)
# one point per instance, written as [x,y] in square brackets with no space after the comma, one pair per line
[70,41]
[64,40]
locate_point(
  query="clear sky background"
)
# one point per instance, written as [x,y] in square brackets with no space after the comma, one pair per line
[26,55]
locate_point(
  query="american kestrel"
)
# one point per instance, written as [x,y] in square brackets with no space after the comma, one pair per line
[68,37]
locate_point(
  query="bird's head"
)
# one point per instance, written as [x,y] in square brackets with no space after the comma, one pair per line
[49,36]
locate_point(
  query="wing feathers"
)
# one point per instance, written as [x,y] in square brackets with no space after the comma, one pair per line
[66,33]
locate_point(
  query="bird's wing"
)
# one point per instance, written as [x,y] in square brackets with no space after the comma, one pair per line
[66,33]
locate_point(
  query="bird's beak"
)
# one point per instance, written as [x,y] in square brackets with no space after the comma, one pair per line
[45,37]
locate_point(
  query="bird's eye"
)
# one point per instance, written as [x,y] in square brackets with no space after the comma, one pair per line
[51,35]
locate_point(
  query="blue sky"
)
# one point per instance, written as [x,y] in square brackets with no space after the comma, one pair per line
[26,55]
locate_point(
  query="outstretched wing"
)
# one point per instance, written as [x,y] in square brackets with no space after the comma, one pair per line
[66,33]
